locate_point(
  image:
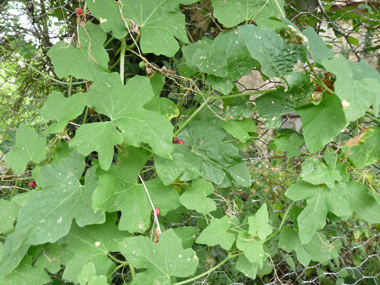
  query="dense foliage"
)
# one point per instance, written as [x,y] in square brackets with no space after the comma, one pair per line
[125,146]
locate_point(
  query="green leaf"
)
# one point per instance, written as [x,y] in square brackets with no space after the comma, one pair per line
[8,214]
[258,224]
[322,174]
[275,56]
[319,249]
[252,247]
[362,203]
[61,109]
[320,201]
[124,106]
[162,106]
[356,84]
[362,150]
[289,143]
[224,60]
[317,46]
[85,62]
[195,198]
[208,158]
[29,146]
[163,260]
[99,137]
[157,81]
[48,214]
[109,16]
[187,235]
[26,274]
[11,257]
[88,276]
[240,128]
[160,24]
[232,12]
[92,243]
[245,266]
[322,123]
[118,190]
[217,233]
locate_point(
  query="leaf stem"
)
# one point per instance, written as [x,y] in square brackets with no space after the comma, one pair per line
[114,258]
[85,115]
[70,86]
[122,57]
[211,270]
[282,223]
[319,81]
[107,43]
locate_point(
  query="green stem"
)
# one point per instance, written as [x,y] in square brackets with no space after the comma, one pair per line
[70,86]
[133,273]
[122,58]
[120,266]
[146,148]
[204,104]
[211,270]
[134,43]
[372,113]
[107,43]
[372,118]
[85,115]
[282,223]
[147,170]
[114,258]
[115,63]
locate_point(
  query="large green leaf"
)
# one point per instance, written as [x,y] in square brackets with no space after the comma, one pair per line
[322,123]
[258,224]
[217,233]
[362,203]
[92,243]
[322,174]
[26,274]
[11,257]
[160,23]
[224,60]
[29,146]
[208,157]
[109,15]
[124,106]
[240,129]
[318,249]
[195,197]
[61,109]
[356,84]
[232,12]
[363,150]
[320,201]
[248,268]
[88,276]
[289,143]
[252,247]
[8,214]
[317,46]
[118,190]
[275,56]
[164,260]
[85,62]
[48,214]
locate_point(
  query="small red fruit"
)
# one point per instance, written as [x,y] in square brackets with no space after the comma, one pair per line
[175,140]
[79,11]
[156,211]
[181,142]
[32,184]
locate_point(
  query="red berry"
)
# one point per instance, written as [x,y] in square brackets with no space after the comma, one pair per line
[32,184]
[175,140]
[157,211]
[91,83]
[181,142]
[79,11]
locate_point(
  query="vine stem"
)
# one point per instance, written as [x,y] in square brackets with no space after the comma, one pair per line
[219,97]
[122,57]
[211,270]
[151,202]
[282,223]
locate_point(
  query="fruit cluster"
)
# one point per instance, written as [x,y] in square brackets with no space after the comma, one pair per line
[176,140]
